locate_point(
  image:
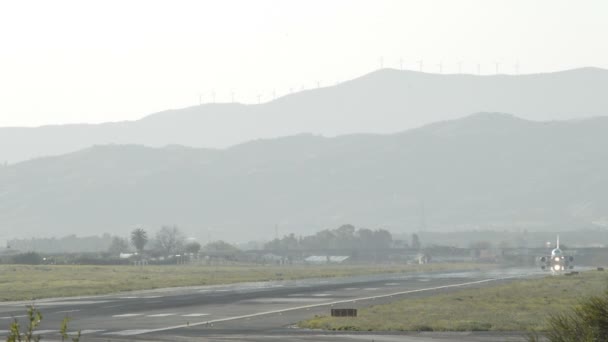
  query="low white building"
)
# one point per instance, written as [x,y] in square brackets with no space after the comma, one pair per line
[326,259]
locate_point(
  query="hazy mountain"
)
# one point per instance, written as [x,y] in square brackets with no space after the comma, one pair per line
[385,101]
[485,170]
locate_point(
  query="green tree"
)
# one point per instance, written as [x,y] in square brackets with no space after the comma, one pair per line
[221,247]
[118,245]
[139,239]
[416,241]
[170,239]
[193,247]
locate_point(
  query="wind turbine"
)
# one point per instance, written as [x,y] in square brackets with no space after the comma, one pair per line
[440,65]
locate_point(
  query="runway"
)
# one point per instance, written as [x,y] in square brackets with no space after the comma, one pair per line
[260,311]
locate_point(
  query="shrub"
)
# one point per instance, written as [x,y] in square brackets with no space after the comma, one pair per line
[587,321]
[29,258]
[34,317]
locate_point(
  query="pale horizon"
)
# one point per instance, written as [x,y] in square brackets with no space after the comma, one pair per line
[75,62]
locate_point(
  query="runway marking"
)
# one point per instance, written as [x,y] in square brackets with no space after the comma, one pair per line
[75,302]
[129,332]
[111,306]
[351,288]
[11,317]
[162,315]
[285,300]
[195,315]
[128,315]
[87,331]
[391,284]
[150,297]
[321,295]
[66,311]
[130,297]
[46,331]
[310,306]
[371,289]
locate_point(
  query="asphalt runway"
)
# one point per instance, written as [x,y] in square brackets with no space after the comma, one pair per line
[264,311]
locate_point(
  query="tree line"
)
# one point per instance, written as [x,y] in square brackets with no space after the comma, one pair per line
[168,240]
[344,237]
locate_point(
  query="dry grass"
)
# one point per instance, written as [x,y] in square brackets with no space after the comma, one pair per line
[20,282]
[517,306]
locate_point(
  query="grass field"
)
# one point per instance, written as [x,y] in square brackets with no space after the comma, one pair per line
[517,306]
[19,282]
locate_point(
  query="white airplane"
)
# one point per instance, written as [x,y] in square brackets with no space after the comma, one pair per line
[557,262]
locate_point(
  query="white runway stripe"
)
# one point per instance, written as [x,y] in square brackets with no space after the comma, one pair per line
[195,315]
[67,311]
[86,331]
[11,317]
[129,332]
[162,315]
[40,332]
[73,302]
[128,315]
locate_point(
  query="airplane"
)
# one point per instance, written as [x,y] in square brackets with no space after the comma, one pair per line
[557,262]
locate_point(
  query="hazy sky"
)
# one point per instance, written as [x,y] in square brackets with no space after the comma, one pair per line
[95,61]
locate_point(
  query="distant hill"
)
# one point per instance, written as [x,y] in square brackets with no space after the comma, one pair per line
[385,101]
[485,170]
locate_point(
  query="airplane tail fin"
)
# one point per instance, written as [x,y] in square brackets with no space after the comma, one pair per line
[557,241]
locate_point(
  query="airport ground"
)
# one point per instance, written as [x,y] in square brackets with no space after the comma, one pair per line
[22,282]
[261,311]
[522,305]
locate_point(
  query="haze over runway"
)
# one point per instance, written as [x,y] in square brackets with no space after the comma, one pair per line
[249,311]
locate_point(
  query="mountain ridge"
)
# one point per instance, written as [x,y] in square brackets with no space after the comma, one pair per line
[485,173]
[385,101]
